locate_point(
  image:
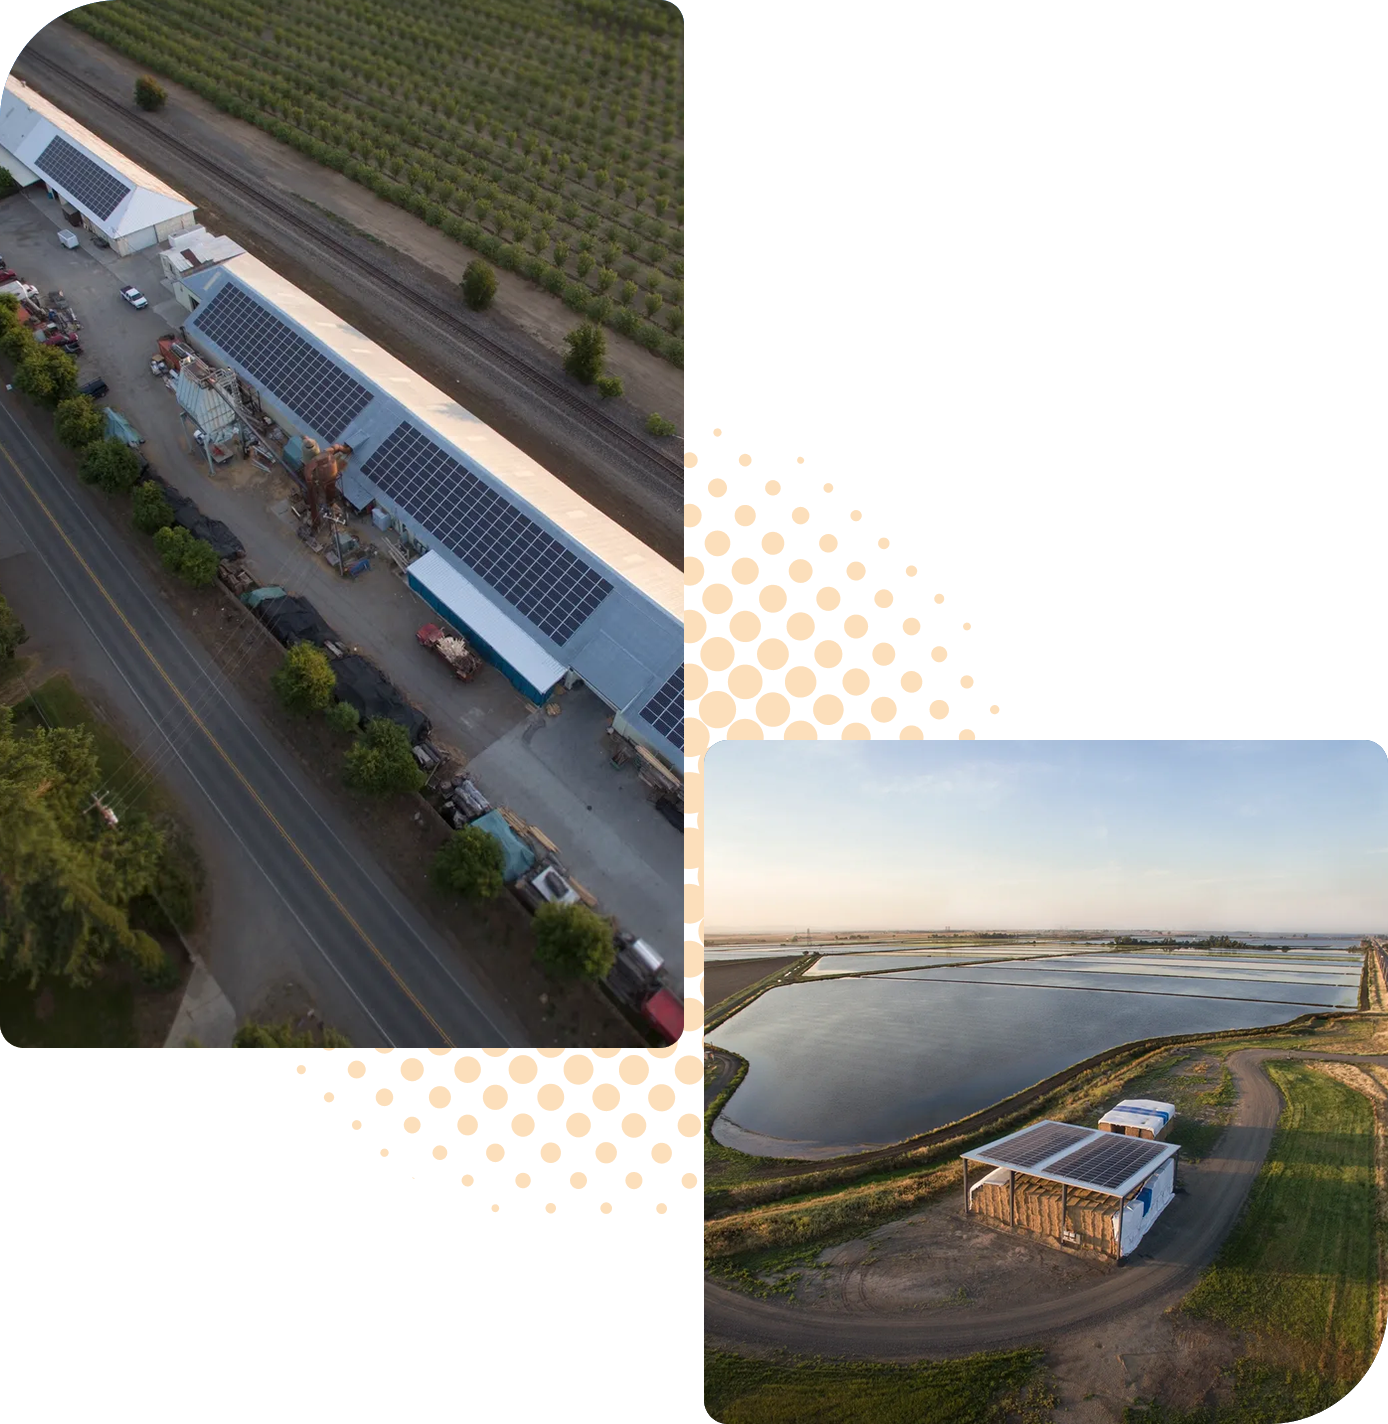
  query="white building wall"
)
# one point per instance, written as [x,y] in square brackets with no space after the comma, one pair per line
[1139,1217]
[166,229]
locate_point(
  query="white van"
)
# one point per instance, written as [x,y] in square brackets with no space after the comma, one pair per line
[68,238]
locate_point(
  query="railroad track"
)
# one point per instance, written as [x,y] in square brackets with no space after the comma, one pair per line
[668,473]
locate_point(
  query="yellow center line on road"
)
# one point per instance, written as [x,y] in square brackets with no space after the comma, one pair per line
[217,747]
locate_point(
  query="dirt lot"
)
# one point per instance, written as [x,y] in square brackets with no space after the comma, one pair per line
[723,979]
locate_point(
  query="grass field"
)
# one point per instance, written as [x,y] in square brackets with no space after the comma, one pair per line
[791,1389]
[545,134]
[1300,1269]
[1064,195]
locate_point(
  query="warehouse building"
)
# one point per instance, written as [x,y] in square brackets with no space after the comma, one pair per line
[1079,1186]
[548,587]
[99,187]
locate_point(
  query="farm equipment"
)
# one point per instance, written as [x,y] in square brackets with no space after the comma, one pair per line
[454,651]
[60,311]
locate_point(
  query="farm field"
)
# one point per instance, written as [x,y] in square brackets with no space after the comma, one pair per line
[1044,197]
[545,136]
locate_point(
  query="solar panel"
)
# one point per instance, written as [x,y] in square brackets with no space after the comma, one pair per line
[1107,1161]
[314,387]
[665,711]
[1029,1148]
[551,586]
[87,182]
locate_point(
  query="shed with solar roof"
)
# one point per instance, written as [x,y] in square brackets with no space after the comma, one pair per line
[1078,1186]
[546,585]
[126,204]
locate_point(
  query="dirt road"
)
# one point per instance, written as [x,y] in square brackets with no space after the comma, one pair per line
[1171,1259]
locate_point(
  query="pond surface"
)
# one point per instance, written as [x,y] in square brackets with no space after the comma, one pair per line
[844,1063]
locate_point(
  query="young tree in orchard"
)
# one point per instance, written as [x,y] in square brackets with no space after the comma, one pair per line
[380,761]
[478,284]
[470,863]
[587,352]
[574,942]
[304,681]
[77,422]
[149,94]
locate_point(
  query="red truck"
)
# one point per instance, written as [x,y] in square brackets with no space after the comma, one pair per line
[454,651]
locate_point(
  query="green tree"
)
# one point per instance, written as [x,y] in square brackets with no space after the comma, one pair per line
[149,508]
[478,284]
[574,941]
[380,761]
[77,422]
[67,878]
[47,374]
[12,631]
[304,681]
[149,94]
[657,425]
[609,386]
[112,464]
[343,717]
[587,352]
[7,183]
[285,1035]
[470,863]
[16,341]
[193,560]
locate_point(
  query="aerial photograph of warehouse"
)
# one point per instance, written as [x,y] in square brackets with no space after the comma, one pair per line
[340,444]
[1044,1079]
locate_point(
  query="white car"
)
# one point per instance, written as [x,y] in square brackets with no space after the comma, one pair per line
[135,297]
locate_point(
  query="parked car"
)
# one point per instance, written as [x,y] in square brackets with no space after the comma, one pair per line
[95,389]
[135,297]
[68,238]
[8,274]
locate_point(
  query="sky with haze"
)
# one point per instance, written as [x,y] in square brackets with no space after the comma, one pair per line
[1220,836]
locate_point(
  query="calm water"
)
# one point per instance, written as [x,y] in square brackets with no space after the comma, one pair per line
[849,1062]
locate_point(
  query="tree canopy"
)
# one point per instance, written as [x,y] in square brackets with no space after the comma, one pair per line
[304,680]
[150,510]
[77,422]
[470,863]
[193,560]
[12,631]
[380,761]
[149,93]
[587,352]
[111,464]
[478,284]
[574,941]
[67,878]
[47,374]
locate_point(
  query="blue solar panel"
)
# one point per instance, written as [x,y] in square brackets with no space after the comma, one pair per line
[537,575]
[86,181]
[318,391]
[665,711]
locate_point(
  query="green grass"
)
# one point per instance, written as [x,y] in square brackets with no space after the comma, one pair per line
[1299,1270]
[1258,1393]
[789,1389]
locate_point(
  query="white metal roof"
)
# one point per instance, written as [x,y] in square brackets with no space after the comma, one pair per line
[202,246]
[1147,1156]
[28,123]
[640,565]
[20,172]
[490,624]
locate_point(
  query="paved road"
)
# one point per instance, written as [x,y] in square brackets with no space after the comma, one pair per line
[1174,1254]
[332,902]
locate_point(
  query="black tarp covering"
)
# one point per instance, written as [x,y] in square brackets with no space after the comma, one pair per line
[198,524]
[294,620]
[373,694]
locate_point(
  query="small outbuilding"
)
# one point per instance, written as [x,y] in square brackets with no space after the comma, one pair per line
[1078,1186]
[1139,1117]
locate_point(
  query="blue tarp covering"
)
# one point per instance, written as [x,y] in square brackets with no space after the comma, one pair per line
[119,428]
[519,856]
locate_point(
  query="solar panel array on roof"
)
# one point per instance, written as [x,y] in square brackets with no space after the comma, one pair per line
[88,182]
[1108,1161]
[531,570]
[1029,1148]
[665,711]
[315,388]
